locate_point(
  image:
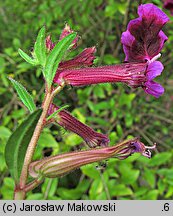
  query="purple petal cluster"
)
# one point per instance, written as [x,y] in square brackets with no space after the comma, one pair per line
[142,42]
[144,38]
[150,87]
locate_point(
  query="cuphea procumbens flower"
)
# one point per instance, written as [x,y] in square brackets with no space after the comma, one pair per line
[168,4]
[133,74]
[142,43]
[69,122]
[60,165]
[144,38]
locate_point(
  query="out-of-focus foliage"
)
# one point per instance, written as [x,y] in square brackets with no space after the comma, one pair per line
[116,110]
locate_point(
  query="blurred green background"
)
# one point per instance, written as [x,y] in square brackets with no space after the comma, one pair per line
[117,110]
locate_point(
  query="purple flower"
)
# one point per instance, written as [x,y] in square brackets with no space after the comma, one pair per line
[133,74]
[144,38]
[60,165]
[67,121]
[130,73]
[142,43]
[154,69]
[168,4]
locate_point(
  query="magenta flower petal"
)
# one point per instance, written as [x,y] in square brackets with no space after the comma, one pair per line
[153,88]
[154,69]
[162,38]
[154,13]
[149,39]
[127,40]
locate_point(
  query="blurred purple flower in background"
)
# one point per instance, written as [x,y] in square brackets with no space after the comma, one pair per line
[168,4]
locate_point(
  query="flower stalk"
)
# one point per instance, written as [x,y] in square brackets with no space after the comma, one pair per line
[32,145]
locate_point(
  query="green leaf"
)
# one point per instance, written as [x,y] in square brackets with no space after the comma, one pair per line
[35,196]
[18,142]
[118,189]
[160,159]
[55,57]
[40,47]
[4,132]
[128,175]
[47,140]
[24,95]
[96,189]
[151,195]
[7,188]
[76,193]
[90,171]
[49,187]
[149,177]
[27,57]
[166,173]
[57,111]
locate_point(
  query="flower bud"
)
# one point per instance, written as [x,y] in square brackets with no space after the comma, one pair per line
[56,166]
[69,122]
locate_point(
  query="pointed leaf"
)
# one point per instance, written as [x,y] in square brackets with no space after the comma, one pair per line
[27,58]
[24,95]
[40,47]
[57,111]
[55,57]
[17,144]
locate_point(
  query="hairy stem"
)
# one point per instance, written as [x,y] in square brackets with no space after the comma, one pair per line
[33,184]
[20,194]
